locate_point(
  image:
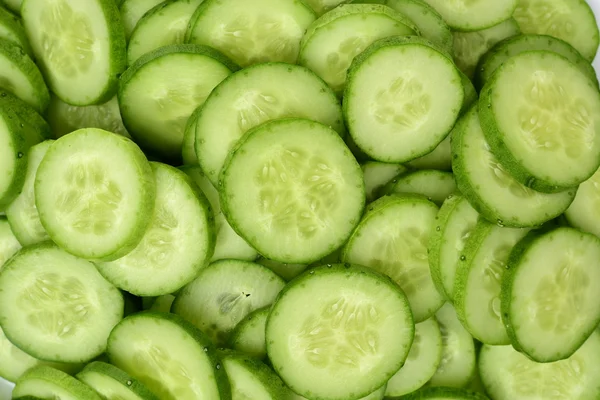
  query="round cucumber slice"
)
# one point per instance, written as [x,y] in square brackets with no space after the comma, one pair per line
[433,184]
[43,381]
[549,303]
[332,41]
[570,20]
[223,294]
[169,355]
[103,206]
[111,382]
[66,308]
[508,374]
[12,30]
[473,15]
[252,31]
[132,11]
[395,78]
[80,47]
[445,393]
[584,212]
[306,194]
[339,332]
[9,244]
[248,336]
[392,238]
[377,175]
[537,106]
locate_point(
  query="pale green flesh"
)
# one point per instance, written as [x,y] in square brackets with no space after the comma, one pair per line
[254,31]
[377,174]
[440,158]
[470,15]
[584,212]
[133,10]
[435,185]
[158,29]
[15,81]
[9,244]
[508,374]
[249,334]
[394,241]
[244,384]
[422,361]
[107,387]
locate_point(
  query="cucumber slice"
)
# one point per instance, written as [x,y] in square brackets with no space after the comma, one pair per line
[305,197]
[188,146]
[339,332]
[252,31]
[12,30]
[494,193]
[284,270]
[377,175]
[474,15]
[13,5]
[445,393]
[538,105]
[179,78]
[320,7]
[248,336]
[510,47]
[132,11]
[469,47]
[478,280]
[20,128]
[440,158]
[80,47]
[169,355]
[332,41]
[162,303]
[254,96]
[163,25]
[376,395]
[549,304]
[455,223]
[395,77]
[63,304]
[570,20]
[422,361]
[584,212]
[9,244]
[111,382]
[433,184]
[508,374]
[64,118]
[46,383]
[22,213]
[102,208]
[251,379]
[392,238]
[223,294]
[458,364]
[177,244]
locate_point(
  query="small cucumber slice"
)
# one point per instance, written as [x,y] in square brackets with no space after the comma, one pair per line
[256,95]
[469,47]
[248,336]
[188,147]
[433,184]
[320,7]
[305,197]
[169,355]
[9,244]
[332,41]
[422,361]
[377,175]
[46,382]
[392,238]
[80,47]
[440,158]
[103,206]
[162,89]
[537,106]
[252,31]
[584,212]
[473,15]
[494,193]
[478,279]
[13,5]
[284,270]
[162,303]
[177,244]
[508,374]
[163,25]
[111,382]
[510,47]
[66,308]
[339,332]
[570,20]
[458,364]
[224,293]
[132,11]
[445,393]
[395,77]
[12,30]
[454,225]
[549,302]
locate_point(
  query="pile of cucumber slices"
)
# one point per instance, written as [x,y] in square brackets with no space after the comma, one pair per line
[299,199]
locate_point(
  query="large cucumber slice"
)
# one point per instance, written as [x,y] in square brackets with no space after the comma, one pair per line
[549,302]
[111,382]
[9,244]
[61,302]
[339,332]
[79,45]
[392,238]
[473,15]
[43,382]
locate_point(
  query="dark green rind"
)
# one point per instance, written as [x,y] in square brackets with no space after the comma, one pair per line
[444,393]
[119,376]
[517,256]
[53,377]
[494,135]
[241,327]
[188,155]
[13,24]
[194,333]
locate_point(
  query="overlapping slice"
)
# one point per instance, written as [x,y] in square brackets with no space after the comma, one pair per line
[41,380]
[472,15]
